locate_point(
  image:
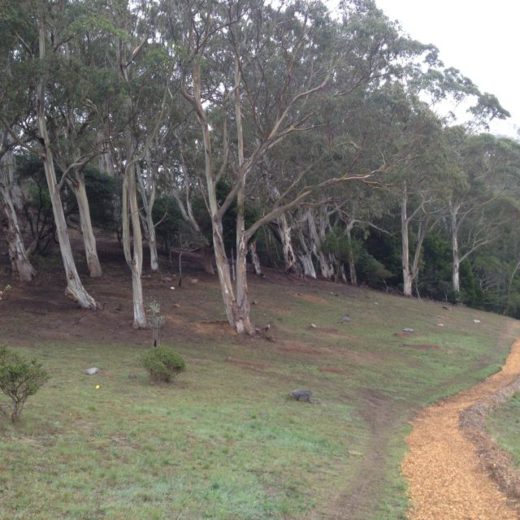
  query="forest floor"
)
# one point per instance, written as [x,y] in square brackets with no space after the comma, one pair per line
[224,442]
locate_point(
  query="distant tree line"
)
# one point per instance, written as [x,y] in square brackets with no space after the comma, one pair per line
[245,129]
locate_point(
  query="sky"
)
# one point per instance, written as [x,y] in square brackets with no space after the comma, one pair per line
[481,38]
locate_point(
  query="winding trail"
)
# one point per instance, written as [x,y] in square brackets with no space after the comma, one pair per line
[442,467]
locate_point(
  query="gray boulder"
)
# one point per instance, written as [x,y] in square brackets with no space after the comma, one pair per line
[301,395]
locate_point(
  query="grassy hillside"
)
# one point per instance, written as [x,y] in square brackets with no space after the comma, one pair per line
[504,426]
[224,442]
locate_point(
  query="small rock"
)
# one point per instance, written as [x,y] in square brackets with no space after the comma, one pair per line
[167,278]
[476,321]
[301,395]
[172,288]
[314,326]
[376,303]
[92,371]
[254,302]
[177,305]
[346,319]
[440,324]
[194,281]
[408,330]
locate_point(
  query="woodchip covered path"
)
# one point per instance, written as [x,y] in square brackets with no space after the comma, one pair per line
[442,466]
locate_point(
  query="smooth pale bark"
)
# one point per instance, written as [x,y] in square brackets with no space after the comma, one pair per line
[351,259]
[307,264]
[455,250]
[132,237]
[243,310]
[77,184]
[405,245]
[148,199]
[18,256]
[284,233]
[75,289]
[255,260]
[20,262]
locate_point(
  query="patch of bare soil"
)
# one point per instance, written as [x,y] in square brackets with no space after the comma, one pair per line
[420,347]
[312,298]
[254,365]
[445,473]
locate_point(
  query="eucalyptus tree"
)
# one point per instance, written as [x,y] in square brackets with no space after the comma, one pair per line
[39,30]
[132,58]
[483,181]
[14,112]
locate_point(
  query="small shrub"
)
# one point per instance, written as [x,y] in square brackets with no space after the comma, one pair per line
[19,379]
[163,364]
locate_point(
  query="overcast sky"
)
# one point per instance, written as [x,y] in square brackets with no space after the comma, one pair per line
[479,37]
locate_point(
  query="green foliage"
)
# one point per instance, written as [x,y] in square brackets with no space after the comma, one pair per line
[163,364]
[19,379]
[372,270]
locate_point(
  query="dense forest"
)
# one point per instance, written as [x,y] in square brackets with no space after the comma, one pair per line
[248,133]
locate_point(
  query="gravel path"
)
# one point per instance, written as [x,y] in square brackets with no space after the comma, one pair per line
[444,477]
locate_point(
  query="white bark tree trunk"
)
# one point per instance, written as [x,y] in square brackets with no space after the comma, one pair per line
[455,250]
[255,260]
[405,245]
[351,259]
[132,236]
[20,262]
[89,240]
[243,309]
[75,289]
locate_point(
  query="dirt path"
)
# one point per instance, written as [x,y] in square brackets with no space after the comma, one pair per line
[442,468]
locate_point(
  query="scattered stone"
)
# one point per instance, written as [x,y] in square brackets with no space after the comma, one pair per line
[355,453]
[376,303]
[167,278]
[446,307]
[254,302]
[92,371]
[194,281]
[440,324]
[172,288]
[408,330]
[476,321]
[177,305]
[346,319]
[314,326]
[301,395]
[334,293]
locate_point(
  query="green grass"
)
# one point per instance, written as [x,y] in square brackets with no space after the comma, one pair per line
[504,425]
[223,441]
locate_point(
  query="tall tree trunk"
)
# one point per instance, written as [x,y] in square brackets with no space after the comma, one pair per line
[89,239]
[20,262]
[405,245]
[75,289]
[243,308]
[132,236]
[255,260]
[284,233]
[351,259]
[148,200]
[455,269]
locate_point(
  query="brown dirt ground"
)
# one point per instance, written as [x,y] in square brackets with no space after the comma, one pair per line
[446,479]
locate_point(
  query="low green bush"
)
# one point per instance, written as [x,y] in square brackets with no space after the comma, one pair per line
[163,364]
[19,379]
